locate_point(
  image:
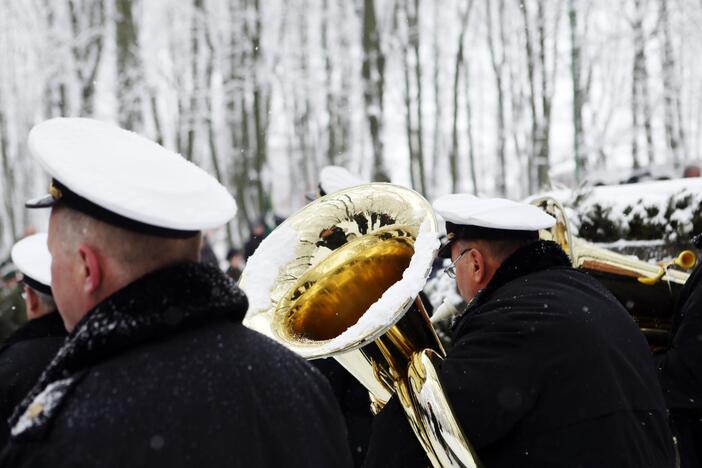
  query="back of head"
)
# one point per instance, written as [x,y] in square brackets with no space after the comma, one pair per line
[129,254]
[501,226]
[501,249]
[33,261]
[122,206]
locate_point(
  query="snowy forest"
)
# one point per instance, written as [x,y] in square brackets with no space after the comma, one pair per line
[496,97]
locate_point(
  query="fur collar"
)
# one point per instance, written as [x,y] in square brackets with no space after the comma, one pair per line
[160,304]
[538,256]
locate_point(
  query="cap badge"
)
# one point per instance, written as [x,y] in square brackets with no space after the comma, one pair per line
[34,410]
[55,192]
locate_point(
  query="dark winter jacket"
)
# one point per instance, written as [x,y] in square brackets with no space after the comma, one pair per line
[163,374]
[12,311]
[680,372]
[23,357]
[355,405]
[547,369]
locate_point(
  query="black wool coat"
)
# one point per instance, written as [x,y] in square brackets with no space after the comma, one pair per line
[680,372]
[547,369]
[23,356]
[355,405]
[163,374]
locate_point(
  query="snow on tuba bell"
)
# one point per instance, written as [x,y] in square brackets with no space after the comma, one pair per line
[340,278]
[649,291]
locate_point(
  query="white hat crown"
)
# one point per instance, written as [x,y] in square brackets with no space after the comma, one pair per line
[130,175]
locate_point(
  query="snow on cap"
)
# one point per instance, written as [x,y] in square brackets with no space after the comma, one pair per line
[470,217]
[335,178]
[126,180]
[32,258]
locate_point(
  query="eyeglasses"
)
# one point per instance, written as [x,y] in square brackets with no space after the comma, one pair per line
[451,269]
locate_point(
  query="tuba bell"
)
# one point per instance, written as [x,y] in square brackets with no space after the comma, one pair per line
[341,278]
[649,291]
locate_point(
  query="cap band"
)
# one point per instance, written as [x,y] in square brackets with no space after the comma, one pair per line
[462,231]
[61,194]
[34,284]
[456,232]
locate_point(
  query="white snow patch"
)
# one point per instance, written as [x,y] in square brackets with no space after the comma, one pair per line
[42,405]
[264,265]
[622,243]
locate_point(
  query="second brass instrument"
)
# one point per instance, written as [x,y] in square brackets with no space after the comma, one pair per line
[647,290]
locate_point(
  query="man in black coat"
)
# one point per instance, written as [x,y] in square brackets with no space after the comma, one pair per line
[680,371]
[25,354]
[157,369]
[547,368]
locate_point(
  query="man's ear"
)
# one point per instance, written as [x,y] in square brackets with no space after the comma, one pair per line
[31,300]
[477,261]
[91,268]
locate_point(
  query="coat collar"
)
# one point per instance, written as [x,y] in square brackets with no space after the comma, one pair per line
[537,256]
[162,303]
[49,325]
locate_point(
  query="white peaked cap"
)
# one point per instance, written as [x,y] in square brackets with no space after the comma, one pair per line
[32,258]
[335,178]
[495,213]
[103,170]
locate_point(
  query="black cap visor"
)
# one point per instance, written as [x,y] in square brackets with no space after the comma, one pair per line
[312,196]
[34,284]
[46,201]
[445,249]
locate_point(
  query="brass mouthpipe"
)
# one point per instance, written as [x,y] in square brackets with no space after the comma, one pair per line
[685,260]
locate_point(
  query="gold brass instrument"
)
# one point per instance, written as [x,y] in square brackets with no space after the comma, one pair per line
[340,278]
[647,290]
[685,260]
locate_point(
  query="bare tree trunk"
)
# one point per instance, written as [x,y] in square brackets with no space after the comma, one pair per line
[236,114]
[153,98]
[403,39]
[635,121]
[332,108]
[8,178]
[640,106]
[453,154]
[413,23]
[87,47]
[534,150]
[260,113]
[211,135]
[409,127]
[541,97]
[129,74]
[373,74]
[647,116]
[302,105]
[243,174]
[638,76]
[193,119]
[498,66]
[578,101]
[54,87]
[671,91]
[543,163]
[438,108]
[469,129]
